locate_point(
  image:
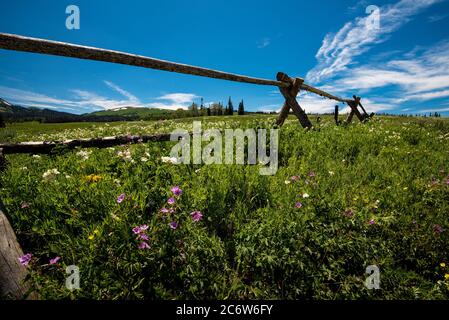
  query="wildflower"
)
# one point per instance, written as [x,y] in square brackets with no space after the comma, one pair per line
[176,191]
[294,178]
[50,174]
[125,155]
[165,210]
[312,174]
[174,225]
[120,198]
[143,159]
[442,265]
[36,156]
[287,181]
[143,227]
[371,222]
[144,237]
[143,245]
[83,154]
[25,259]
[136,230]
[305,195]
[298,205]
[196,215]
[91,237]
[93,178]
[171,201]
[24,205]
[446,276]
[331,173]
[171,160]
[349,213]
[438,229]
[55,260]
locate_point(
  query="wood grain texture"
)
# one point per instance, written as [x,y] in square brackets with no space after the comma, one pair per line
[12,272]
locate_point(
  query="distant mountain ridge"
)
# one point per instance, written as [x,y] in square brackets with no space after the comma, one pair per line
[16,113]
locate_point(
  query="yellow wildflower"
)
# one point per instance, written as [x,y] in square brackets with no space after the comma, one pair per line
[93,178]
[91,237]
[446,276]
[442,265]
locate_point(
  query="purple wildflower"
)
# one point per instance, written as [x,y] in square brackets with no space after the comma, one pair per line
[298,205]
[176,191]
[196,215]
[121,198]
[25,259]
[136,230]
[294,178]
[165,210]
[312,174]
[438,229]
[174,225]
[55,260]
[171,201]
[144,237]
[143,245]
[371,222]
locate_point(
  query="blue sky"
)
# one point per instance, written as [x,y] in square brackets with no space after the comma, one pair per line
[400,67]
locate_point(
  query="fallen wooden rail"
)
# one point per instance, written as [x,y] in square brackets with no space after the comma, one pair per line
[47,147]
[289,86]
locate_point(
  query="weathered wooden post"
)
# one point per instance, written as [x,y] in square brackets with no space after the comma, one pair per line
[290,94]
[337,122]
[12,273]
[353,104]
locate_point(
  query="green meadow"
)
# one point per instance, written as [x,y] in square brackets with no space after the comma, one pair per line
[344,198]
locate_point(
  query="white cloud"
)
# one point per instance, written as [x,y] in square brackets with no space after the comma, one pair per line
[178,97]
[174,101]
[263,43]
[122,92]
[437,17]
[420,75]
[356,37]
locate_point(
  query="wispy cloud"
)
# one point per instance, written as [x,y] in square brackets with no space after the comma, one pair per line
[356,37]
[174,101]
[83,101]
[437,17]
[123,92]
[263,43]
[420,75]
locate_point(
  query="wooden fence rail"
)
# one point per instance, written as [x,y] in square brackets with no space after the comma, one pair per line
[289,87]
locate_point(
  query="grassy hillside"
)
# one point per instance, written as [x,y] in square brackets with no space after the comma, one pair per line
[344,198]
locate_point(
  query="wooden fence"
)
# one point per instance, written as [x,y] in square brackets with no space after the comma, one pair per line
[11,272]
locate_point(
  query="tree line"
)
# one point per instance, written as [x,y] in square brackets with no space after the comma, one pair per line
[216,109]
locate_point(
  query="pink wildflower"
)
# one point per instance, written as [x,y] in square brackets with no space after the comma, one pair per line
[120,198]
[25,259]
[55,260]
[196,215]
